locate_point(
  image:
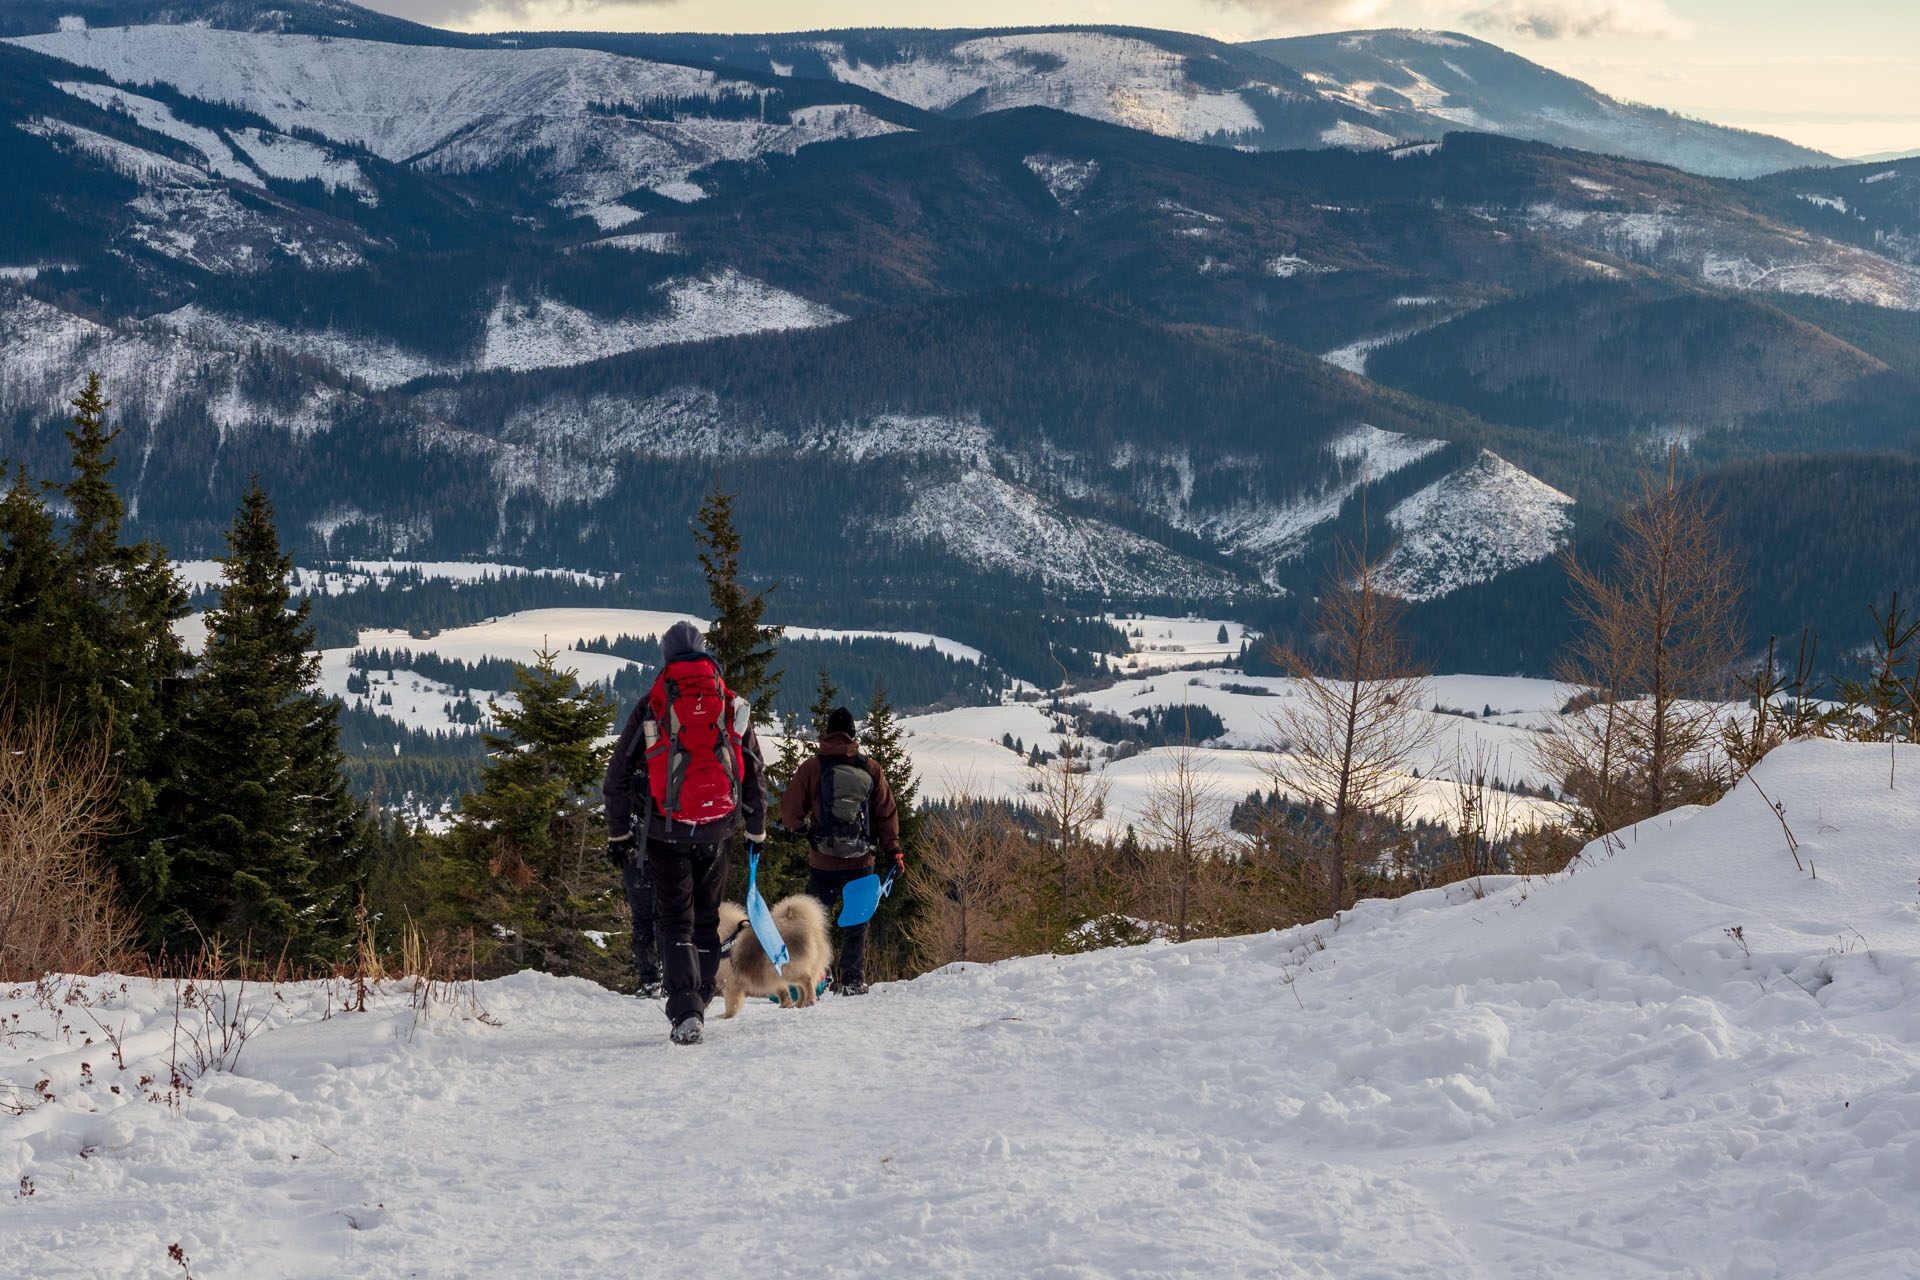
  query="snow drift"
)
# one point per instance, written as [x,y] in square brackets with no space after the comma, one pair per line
[1687,1056]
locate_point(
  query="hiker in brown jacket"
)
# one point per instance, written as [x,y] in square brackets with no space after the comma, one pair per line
[841,800]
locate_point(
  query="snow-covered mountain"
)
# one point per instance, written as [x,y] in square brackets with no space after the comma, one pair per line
[1392,84]
[579,117]
[1359,89]
[1685,1056]
[478,296]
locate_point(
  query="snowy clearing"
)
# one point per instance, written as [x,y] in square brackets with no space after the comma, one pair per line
[1589,1076]
[962,753]
[524,334]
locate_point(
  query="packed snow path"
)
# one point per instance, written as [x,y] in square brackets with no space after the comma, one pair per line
[1584,1077]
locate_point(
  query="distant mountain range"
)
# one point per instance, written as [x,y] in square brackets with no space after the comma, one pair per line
[1084,314]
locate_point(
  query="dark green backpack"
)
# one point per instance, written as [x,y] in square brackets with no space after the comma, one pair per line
[841,821]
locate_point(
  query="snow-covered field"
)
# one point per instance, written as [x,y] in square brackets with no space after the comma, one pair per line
[1684,1058]
[961,752]
[1178,642]
[519,637]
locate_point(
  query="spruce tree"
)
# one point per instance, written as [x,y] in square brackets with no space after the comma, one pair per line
[93,537]
[886,746]
[265,834]
[91,638]
[744,648]
[34,576]
[826,696]
[529,846]
[890,942]
[780,770]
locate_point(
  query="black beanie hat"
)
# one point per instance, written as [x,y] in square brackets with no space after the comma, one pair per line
[840,720]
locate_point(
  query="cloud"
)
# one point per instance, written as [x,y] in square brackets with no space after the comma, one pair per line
[1318,14]
[502,14]
[1576,19]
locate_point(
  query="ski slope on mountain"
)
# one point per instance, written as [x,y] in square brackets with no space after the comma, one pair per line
[1685,1057]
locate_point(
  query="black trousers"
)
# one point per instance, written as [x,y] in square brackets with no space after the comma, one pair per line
[688,883]
[826,886]
[636,882]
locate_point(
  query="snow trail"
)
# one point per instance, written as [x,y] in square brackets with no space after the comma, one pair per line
[1587,1076]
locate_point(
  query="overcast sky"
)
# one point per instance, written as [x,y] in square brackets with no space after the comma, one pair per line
[1840,75]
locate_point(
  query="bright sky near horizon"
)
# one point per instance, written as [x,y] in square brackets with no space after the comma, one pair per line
[1840,76]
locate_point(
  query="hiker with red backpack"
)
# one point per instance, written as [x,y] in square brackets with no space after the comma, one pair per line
[842,801]
[685,776]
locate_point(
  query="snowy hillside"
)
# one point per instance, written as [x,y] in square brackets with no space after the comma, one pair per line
[462,110]
[186,211]
[1473,525]
[1119,79]
[538,334]
[1685,1057]
[1651,228]
[1400,80]
[151,371]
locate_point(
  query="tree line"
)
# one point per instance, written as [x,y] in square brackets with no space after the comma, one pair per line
[158,805]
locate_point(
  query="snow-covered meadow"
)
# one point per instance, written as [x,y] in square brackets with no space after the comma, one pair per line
[962,752]
[1686,1056]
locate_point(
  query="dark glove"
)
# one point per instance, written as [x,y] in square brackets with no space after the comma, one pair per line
[620,851]
[756,837]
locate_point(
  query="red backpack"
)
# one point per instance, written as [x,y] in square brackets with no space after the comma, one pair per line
[693,742]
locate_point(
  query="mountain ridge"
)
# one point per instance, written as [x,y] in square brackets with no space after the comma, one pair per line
[1344,92]
[494,318]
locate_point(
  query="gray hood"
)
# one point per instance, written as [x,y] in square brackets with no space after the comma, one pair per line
[682,638]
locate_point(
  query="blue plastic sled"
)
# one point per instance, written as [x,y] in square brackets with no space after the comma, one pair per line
[761,918]
[861,898]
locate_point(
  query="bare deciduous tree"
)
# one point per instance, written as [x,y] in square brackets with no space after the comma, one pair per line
[960,882]
[1062,883]
[1657,643]
[1181,827]
[1352,734]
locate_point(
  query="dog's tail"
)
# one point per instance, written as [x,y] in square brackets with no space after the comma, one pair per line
[802,913]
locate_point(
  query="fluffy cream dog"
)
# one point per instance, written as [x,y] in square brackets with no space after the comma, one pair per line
[745,970]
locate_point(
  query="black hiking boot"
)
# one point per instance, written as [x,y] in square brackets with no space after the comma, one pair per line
[648,987]
[853,988]
[687,1030]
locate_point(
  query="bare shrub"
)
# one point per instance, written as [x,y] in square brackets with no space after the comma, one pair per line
[215,1011]
[1479,809]
[59,910]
